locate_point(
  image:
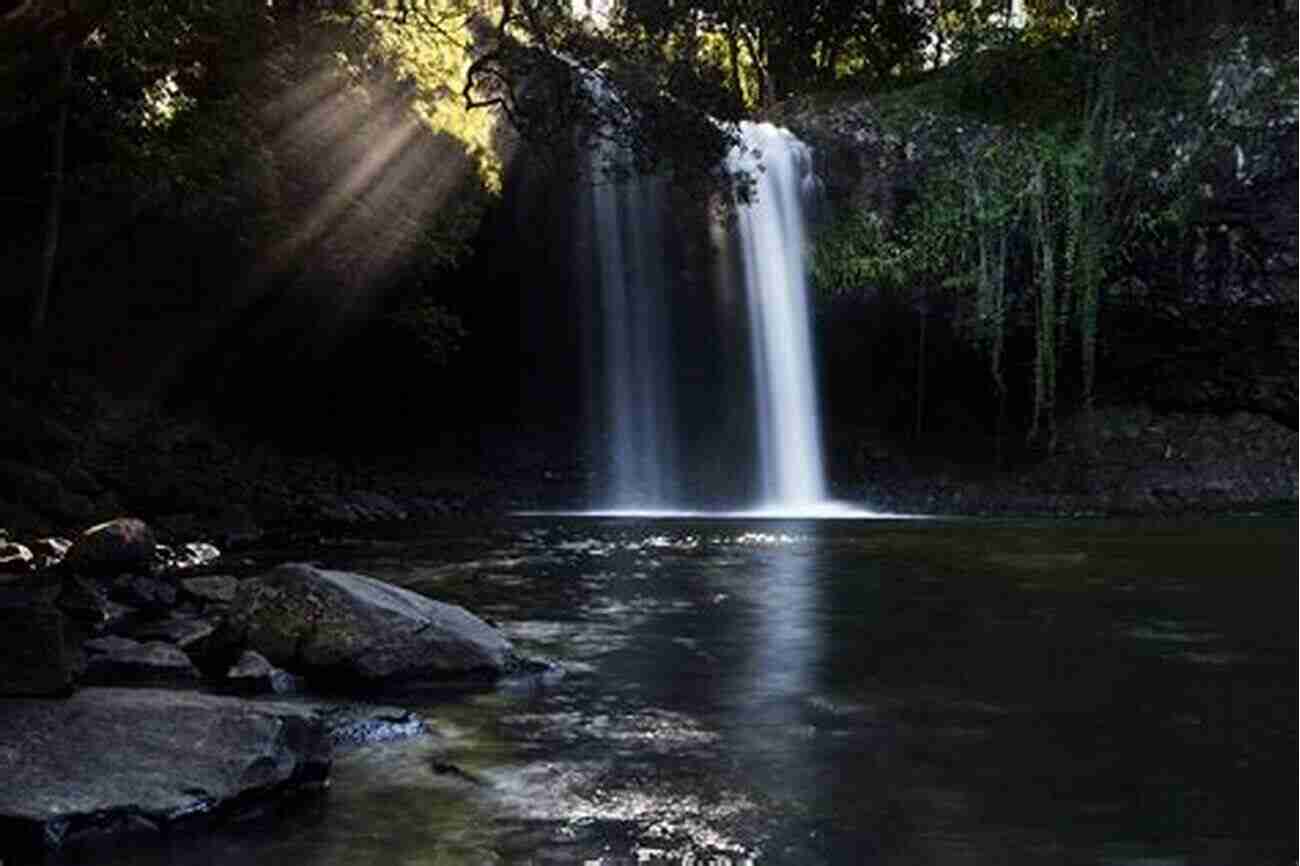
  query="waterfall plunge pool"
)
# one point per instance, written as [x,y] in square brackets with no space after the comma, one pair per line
[826,510]
[831,692]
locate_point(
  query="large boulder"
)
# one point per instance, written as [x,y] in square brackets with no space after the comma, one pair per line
[118,545]
[122,760]
[337,627]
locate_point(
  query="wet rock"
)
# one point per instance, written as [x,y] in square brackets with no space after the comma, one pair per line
[353,725]
[348,628]
[16,558]
[192,554]
[183,631]
[217,589]
[158,756]
[253,674]
[50,551]
[144,592]
[113,660]
[32,652]
[118,545]
[86,602]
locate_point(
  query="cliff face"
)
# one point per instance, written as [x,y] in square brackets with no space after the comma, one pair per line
[1196,325]
[1206,323]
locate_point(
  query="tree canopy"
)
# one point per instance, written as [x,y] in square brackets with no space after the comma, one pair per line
[342,152]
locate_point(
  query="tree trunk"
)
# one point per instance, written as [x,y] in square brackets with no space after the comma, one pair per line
[733,52]
[54,203]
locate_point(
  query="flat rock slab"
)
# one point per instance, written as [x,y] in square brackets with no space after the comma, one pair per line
[114,660]
[117,760]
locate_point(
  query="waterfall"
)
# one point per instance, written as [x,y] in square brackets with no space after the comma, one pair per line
[640,426]
[657,444]
[771,237]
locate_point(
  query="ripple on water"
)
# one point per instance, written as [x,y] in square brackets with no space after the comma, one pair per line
[658,823]
[575,642]
[656,730]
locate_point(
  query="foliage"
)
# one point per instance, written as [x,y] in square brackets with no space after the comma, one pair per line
[770,50]
[434,331]
[1082,186]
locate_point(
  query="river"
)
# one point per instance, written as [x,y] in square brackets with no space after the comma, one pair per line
[832,692]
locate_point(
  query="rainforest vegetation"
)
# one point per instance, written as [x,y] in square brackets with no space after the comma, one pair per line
[209,199]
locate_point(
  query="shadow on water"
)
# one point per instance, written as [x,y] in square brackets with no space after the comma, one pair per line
[826,692]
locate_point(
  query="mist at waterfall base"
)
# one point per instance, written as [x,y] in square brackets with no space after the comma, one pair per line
[704,387]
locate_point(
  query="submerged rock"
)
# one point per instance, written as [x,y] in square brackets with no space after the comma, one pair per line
[337,626]
[253,674]
[117,760]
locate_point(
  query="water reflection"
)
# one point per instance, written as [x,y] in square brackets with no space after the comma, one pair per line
[797,693]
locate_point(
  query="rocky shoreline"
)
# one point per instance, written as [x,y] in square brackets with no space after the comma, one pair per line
[125,646]
[82,457]
[1127,462]
[145,692]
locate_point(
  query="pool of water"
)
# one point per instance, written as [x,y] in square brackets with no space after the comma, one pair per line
[834,692]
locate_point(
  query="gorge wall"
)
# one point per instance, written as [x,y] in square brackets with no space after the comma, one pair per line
[1196,340]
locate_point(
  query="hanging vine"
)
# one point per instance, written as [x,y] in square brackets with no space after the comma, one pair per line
[1018,229]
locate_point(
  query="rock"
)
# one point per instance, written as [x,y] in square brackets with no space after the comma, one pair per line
[32,652]
[85,601]
[113,660]
[190,555]
[157,756]
[353,725]
[16,558]
[118,545]
[253,674]
[50,551]
[217,589]
[333,626]
[183,631]
[143,592]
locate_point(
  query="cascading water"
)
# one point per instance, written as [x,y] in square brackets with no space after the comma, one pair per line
[641,419]
[646,423]
[771,237]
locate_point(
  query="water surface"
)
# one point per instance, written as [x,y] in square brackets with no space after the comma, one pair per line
[836,692]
